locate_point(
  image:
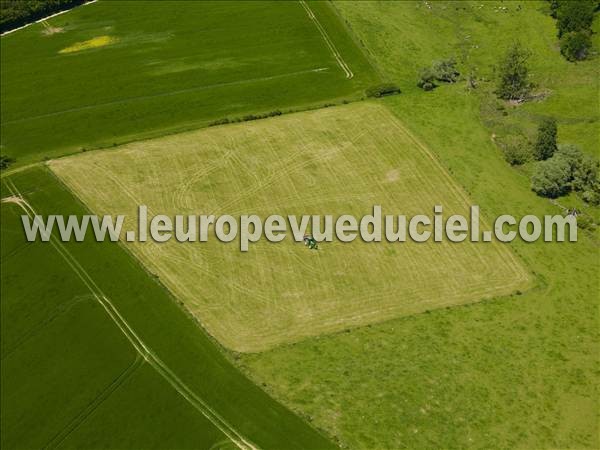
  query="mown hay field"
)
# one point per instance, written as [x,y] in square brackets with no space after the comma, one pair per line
[335,161]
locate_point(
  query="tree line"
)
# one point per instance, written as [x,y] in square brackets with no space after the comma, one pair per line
[16,13]
[574,20]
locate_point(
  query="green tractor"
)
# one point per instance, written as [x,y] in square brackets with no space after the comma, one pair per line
[310,242]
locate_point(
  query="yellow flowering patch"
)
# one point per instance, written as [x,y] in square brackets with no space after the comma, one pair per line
[99,41]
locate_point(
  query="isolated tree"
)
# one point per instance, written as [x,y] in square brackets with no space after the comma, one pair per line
[513,74]
[574,15]
[545,144]
[551,178]
[575,45]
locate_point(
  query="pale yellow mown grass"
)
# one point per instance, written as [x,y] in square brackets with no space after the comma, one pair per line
[332,161]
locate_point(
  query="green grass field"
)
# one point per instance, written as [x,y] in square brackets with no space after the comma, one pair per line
[339,160]
[520,371]
[87,348]
[63,357]
[112,72]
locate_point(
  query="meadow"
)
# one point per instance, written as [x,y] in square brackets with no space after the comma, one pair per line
[87,348]
[564,90]
[516,371]
[339,160]
[109,72]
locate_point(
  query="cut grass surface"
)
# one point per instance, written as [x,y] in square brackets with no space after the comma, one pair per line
[335,161]
[122,70]
[72,374]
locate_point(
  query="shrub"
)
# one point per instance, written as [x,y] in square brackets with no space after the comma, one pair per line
[568,169]
[516,149]
[382,90]
[223,121]
[6,161]
[571,155]
[575,45]
[585,175]
[545,144]
[586,222]
[427,79]
[592,197]
[574,15]
[517,155]
[551,178]
[513,74]
[245,118]
[585,179]
[445,70]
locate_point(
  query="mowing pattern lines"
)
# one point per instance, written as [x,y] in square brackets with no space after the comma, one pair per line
[145,354]
[332,161]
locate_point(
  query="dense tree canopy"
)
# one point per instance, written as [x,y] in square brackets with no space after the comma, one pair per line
[574,15]
[551,178]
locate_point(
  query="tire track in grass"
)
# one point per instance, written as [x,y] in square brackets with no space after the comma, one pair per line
[95,404]
[146,353]
[163,94]
[334,51]
[36,329]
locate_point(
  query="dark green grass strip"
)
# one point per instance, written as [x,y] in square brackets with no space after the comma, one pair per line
[170,332]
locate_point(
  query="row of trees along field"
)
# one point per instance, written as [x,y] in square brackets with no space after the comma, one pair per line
[16,13]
